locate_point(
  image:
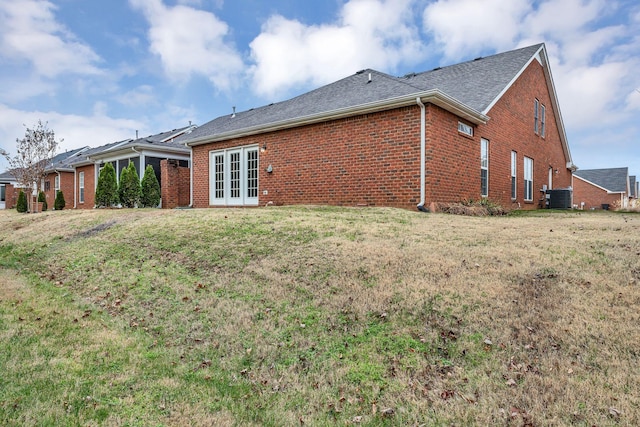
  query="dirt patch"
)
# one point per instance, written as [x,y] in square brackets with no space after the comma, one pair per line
[93,230]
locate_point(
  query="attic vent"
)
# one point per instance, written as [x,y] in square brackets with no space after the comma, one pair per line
[478,58]
[437,68]
[234,112]
[409,75]
[360,72]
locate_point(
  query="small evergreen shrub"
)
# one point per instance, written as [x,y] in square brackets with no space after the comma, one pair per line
[150,188]
[107,188]
[42,198]
[59,202]
[21,204]
[129,189]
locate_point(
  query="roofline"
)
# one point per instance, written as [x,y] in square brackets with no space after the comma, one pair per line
[435,97]
[599,186]
[124,150]
[542,52]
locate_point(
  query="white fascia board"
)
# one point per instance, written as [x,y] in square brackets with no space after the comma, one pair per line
[435,97]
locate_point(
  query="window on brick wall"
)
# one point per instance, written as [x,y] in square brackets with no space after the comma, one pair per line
[528,179]
[484,167]
[514,171]
[233,176]
[47,185]
[465,128]
[56,184]
[81,186]
[536,106]
[542,119]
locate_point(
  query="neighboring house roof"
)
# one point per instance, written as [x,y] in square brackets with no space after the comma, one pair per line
[613,180]
[166,141]
[468,90]
[633,186]
[63,161]
[7,178]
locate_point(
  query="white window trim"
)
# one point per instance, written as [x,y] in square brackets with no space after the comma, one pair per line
[543,126]
[536,106]
[465,129]
[81,188]
[484,164]
[227,200]
[528,178]
[514,175]
[56,184]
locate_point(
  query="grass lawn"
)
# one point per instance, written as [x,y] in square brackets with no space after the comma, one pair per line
[319,316]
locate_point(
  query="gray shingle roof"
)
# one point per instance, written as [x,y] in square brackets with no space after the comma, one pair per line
[476,84]
[613,179]
[632,186]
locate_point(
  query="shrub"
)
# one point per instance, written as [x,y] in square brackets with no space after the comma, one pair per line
[150,188]
[129,189]
[21,204]
[43,199]
[59,202]
[107,189]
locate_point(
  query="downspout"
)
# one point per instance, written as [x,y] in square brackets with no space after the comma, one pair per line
[423,146]
[75,188]
[190,176]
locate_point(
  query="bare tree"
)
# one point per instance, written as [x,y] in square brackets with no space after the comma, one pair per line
[34,152]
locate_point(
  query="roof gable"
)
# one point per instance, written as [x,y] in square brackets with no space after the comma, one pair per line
[614,180]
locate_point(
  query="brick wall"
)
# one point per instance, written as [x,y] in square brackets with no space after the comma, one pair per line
[89,187]
[370,160]
[66,186]
[593,197]
[11,196]
[175,190]
[374,159]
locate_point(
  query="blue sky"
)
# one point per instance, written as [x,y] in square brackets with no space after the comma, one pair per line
[99,70]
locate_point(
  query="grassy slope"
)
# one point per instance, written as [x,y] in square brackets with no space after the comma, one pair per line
[298,315]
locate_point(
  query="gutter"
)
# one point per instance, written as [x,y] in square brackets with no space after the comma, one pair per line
[435,97]
[423,146]
[190,176]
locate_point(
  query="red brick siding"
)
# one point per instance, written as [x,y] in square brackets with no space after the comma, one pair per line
[175,191]
[11,196]
[592,196]
[374,159]
[66,186]
[511,128]
[368,160]
[89,187]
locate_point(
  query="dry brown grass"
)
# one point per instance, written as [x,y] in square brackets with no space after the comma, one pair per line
[281,316]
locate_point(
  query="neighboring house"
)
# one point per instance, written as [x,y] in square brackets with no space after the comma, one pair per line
[150,150]
[8,192]
[60,176]
[601,188]
[490,128]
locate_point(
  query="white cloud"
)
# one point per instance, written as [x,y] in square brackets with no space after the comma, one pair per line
[30,32]
[368,34]
[138,97]
[76,130]
[465,27]
[191,41]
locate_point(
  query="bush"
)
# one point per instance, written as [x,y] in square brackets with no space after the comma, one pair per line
[59,202]
[21,204]
[129,189]
[107,189]
[150,189]
[43,199]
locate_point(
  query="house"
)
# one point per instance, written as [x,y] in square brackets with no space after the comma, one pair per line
[601,188]
[8,193]
[489,128]
[60,177]
[142,152]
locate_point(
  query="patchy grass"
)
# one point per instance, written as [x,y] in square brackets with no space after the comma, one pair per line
[284,316]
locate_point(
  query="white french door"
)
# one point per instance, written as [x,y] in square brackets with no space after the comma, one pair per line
[233,176]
